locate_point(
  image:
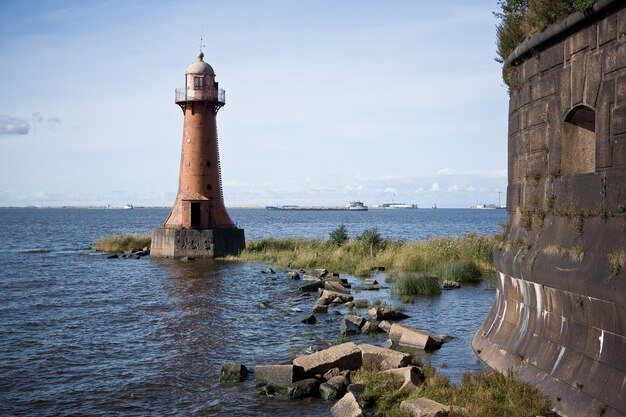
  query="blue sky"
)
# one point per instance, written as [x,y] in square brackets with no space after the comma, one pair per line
[326,101]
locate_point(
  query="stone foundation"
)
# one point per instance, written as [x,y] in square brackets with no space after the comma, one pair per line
[197,243]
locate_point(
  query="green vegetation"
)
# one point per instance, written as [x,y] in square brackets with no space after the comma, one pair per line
[339,236]
[407,286]
[459,270]
[489,394]
[358,256]
[520,19]
[122,242]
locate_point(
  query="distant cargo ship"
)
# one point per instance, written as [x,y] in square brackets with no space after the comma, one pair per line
[398,206]
[353,206]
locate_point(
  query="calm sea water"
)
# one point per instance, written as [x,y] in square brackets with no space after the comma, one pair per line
[83,335]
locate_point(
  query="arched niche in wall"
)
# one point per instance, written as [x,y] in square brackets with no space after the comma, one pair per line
[578,151]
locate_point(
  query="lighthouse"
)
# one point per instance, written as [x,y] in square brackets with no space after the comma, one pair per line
[198,224]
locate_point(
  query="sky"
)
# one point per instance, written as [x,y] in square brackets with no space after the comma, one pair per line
[326,101]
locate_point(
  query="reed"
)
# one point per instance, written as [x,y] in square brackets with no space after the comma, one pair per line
[122,242]
[415,284]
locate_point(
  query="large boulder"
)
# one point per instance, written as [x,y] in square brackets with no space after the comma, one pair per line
[412,376]
[293,275]
[304,388]
[348,327]
[332,295]
[278,376]
[385,313]
[450,285]
[233,372]
[347,407]
[382,359]
[312,278]
[408,336]
[424,407]
[369,327]
[334,387]
[320,272]
[344,356]
[336,286]
[313,286]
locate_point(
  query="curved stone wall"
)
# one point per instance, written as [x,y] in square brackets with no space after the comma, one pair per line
[559,319]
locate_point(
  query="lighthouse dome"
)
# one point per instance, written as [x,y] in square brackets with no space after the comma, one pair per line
[200,67]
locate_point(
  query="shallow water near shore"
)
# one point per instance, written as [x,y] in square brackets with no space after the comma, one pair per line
[80,334]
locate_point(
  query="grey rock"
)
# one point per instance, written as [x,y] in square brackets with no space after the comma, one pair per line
[113,256]
[311,278]
[382,359]
[320,272]
[320,309]
[278,376]
[387,344]
[334,388]
[424,407]
[449,285]
[346,407]
[370,281]
[304,388]
[408,336]
[312,287]
[348,327]
[269,271]
[369,327]
[412,376]
[233,372]
[331,373]
[356,389]
[384,326]
[336,286]
[309,319]
[344,356]
[382,313]
[187,259]
[293,275]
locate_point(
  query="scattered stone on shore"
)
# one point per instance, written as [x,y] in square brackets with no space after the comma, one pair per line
[293,275]
[412,376]
[369,327]
[384,326]
[370,281]
[308,319]
[385,313]
[269,271]
[233,372]
[320,272]
[334,387]
[388,344]
[348,327]
[187,259]
[311,278]
[424,407]
[450,285]
[336,286]
[278,376]
[346,407]
[303,388]
[408,336]
[312,287]
[116,256]
[343,356]
[382,359]
[319,309]
[332,295]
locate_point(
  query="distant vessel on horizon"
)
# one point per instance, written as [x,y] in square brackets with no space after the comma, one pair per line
[357,206]
[128,207]
[353,206]
[398,206]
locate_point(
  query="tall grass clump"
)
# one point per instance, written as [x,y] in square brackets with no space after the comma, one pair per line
[459,270]
[122,242]
[489,394]
[407,286]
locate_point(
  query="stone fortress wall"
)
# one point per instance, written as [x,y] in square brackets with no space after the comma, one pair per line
[559,318]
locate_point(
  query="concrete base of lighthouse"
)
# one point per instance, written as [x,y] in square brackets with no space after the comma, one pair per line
[197,243]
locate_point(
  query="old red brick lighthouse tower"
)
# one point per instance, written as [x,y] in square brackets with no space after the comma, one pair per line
[198,224]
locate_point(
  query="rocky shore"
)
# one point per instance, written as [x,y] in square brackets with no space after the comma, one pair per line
[332,372]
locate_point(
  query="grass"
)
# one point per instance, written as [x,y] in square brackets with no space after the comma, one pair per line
[122,242]
[411,285]
[459,270]
[489,394]
[357,256]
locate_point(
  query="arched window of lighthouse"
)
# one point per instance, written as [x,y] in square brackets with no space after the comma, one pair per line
[197,83]
[578,150]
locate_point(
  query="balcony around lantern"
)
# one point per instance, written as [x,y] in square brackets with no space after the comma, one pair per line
[182,95]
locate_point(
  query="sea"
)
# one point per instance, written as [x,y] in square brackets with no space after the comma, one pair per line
[83,335]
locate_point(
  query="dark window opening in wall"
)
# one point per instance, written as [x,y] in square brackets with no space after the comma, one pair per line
[208,163]
[208,187]
[195,214]
[197,83]
[578,150]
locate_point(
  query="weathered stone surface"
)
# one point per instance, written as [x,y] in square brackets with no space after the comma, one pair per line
[233,372]
[332,295]
[412,376]
[308,319]
[449,284]
[370,326]
[312,287]
[280,376]
[320,309]
[370,281]
[344,356]
[304,388]
[334,388]
[382,359]
[408,336]
[293,275]
[347,407]
[356,389]
[336,286]
[320,273]
[356,319]
[387,344]
[268,271]
[384,326]
[424,407]
[331,373]
[381,313]
[347,327]
[312,278]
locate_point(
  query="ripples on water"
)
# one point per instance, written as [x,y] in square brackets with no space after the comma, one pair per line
[83,335]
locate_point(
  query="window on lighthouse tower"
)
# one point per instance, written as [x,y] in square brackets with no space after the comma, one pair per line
[197,83]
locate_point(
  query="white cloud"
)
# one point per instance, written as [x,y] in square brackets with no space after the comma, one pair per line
[434,187]
[13,125]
